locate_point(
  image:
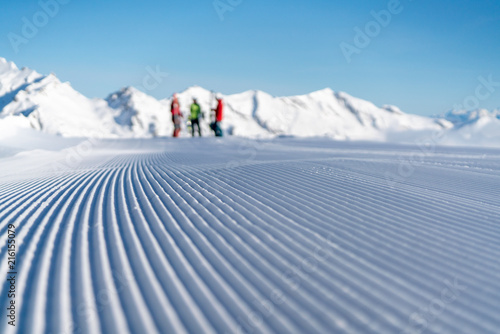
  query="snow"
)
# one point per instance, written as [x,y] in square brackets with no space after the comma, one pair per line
[477,127]
[142,114]
[310,216]
[45,104]
[49,105]
[233,235]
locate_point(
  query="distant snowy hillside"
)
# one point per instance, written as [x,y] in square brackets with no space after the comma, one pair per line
[478,127]
[44,103]
[323,113]
[463,117]
[139,113]
[31,100]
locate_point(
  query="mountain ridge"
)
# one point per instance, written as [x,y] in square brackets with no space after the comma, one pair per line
[44,103]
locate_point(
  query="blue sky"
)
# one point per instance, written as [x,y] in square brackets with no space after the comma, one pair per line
[428,59]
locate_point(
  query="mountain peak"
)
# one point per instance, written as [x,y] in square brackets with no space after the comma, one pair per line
[195,90]
[326,90]
[6,65]
[130,90]
[125,92]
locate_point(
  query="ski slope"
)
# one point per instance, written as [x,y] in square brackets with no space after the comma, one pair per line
[242,236]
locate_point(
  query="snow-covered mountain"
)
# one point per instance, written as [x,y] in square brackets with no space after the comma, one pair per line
[31,100]
[477,127]
[477,117]
[42,102]
[140,114]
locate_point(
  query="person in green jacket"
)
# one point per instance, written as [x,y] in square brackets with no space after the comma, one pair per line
[195,116]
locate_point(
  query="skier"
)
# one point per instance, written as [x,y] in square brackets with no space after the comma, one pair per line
[195,117]
[176,115]
[218,117]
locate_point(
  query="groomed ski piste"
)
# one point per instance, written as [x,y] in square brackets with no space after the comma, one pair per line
[244,236]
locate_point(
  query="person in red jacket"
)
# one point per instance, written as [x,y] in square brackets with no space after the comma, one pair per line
[218,117]
[176,115]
